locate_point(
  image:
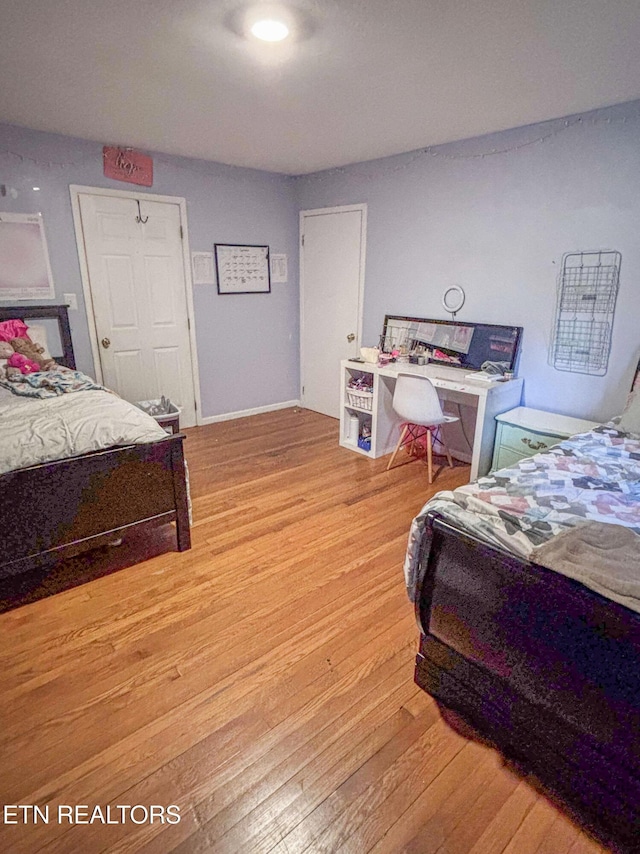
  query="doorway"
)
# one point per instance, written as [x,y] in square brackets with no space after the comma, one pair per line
[332,259]
[137,289]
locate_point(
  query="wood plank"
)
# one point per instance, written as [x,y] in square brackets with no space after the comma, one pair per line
[425,825]
[507,822]
[370,815]
[309,833]
[533,830]
[560,837]
[262,681]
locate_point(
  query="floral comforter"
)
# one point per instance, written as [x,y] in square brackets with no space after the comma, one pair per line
[594,476]
[53,383]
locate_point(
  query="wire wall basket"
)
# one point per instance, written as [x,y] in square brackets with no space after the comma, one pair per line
[587,293]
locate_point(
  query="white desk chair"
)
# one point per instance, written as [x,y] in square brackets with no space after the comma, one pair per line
[416,401]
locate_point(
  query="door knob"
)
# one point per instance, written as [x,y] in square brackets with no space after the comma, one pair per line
[351,337]
[106,343]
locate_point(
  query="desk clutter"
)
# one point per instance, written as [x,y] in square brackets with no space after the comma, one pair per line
[360,392]
[484,347]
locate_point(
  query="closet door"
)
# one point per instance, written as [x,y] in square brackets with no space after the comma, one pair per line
[332,255]
[135,262]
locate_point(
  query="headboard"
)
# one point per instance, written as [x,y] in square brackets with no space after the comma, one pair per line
[58,313]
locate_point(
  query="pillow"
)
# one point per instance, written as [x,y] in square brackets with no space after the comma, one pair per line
[630,419]
[38,334]
[12,329]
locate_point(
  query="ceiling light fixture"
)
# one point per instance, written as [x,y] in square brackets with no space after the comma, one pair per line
[270,30]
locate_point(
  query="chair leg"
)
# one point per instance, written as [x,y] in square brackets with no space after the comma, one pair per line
[429,457]
[415,448]
[412,446]
[446,449]
[403,433]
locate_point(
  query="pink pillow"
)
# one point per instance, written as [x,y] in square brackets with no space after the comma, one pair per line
[13,329]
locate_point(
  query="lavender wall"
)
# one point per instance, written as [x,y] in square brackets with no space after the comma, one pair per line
[248,348]
[498,225]
[494,215]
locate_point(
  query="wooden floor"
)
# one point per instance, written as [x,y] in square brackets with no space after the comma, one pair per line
[262,681]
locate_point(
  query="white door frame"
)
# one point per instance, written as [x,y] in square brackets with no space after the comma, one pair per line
[76,191]
[363,247]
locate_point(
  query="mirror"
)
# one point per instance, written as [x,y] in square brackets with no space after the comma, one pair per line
[465,345]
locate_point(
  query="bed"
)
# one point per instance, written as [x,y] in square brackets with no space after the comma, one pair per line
[540,657]
[55,508]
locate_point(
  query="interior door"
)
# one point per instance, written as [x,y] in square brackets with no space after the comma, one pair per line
[332,278]
[136,275]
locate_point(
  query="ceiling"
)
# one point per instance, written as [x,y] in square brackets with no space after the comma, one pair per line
[360,80]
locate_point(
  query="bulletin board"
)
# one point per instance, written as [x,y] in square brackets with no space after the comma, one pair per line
[25,271]
[242,269]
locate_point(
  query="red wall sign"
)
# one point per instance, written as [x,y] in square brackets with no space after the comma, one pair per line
[125,164]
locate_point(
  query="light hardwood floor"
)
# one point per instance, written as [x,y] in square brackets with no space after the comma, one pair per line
[262,681]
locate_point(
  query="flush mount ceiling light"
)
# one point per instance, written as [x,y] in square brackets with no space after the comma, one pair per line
[271,21]
[270,30]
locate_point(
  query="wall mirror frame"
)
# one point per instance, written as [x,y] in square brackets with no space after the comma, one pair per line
[452,342]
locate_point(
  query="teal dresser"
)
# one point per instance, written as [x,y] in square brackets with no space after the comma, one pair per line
[522,432]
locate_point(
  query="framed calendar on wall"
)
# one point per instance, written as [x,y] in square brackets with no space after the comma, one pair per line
[242,269]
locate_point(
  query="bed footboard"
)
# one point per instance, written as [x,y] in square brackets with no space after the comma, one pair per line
[60,508]
[545,669]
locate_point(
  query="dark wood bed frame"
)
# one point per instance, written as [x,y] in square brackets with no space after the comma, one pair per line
[542,667]
[60,508]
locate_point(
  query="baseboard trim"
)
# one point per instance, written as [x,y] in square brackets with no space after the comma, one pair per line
[244,413]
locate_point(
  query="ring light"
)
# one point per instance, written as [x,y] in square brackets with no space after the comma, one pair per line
[453,299]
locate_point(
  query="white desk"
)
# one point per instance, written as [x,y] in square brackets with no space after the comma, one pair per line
[478,401]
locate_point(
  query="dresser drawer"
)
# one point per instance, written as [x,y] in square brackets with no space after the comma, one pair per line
[525,442]
[523,431]
[506,458]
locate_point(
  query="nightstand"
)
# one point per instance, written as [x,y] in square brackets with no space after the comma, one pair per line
[522,432]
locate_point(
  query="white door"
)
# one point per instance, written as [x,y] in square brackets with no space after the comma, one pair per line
[138,290]
[331,288]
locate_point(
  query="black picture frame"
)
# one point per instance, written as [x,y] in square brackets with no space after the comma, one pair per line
[242,268]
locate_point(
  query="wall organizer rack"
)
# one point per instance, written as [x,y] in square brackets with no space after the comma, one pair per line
[587,293]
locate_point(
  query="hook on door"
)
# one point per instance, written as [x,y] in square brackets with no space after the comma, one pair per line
[141,218]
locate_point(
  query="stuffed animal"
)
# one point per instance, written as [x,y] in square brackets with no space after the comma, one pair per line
[33,352]
[25,366]
[6,350]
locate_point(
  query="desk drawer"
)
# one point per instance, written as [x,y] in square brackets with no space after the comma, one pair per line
[526,442]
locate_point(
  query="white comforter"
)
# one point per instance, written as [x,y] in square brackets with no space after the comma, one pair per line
[36,431]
